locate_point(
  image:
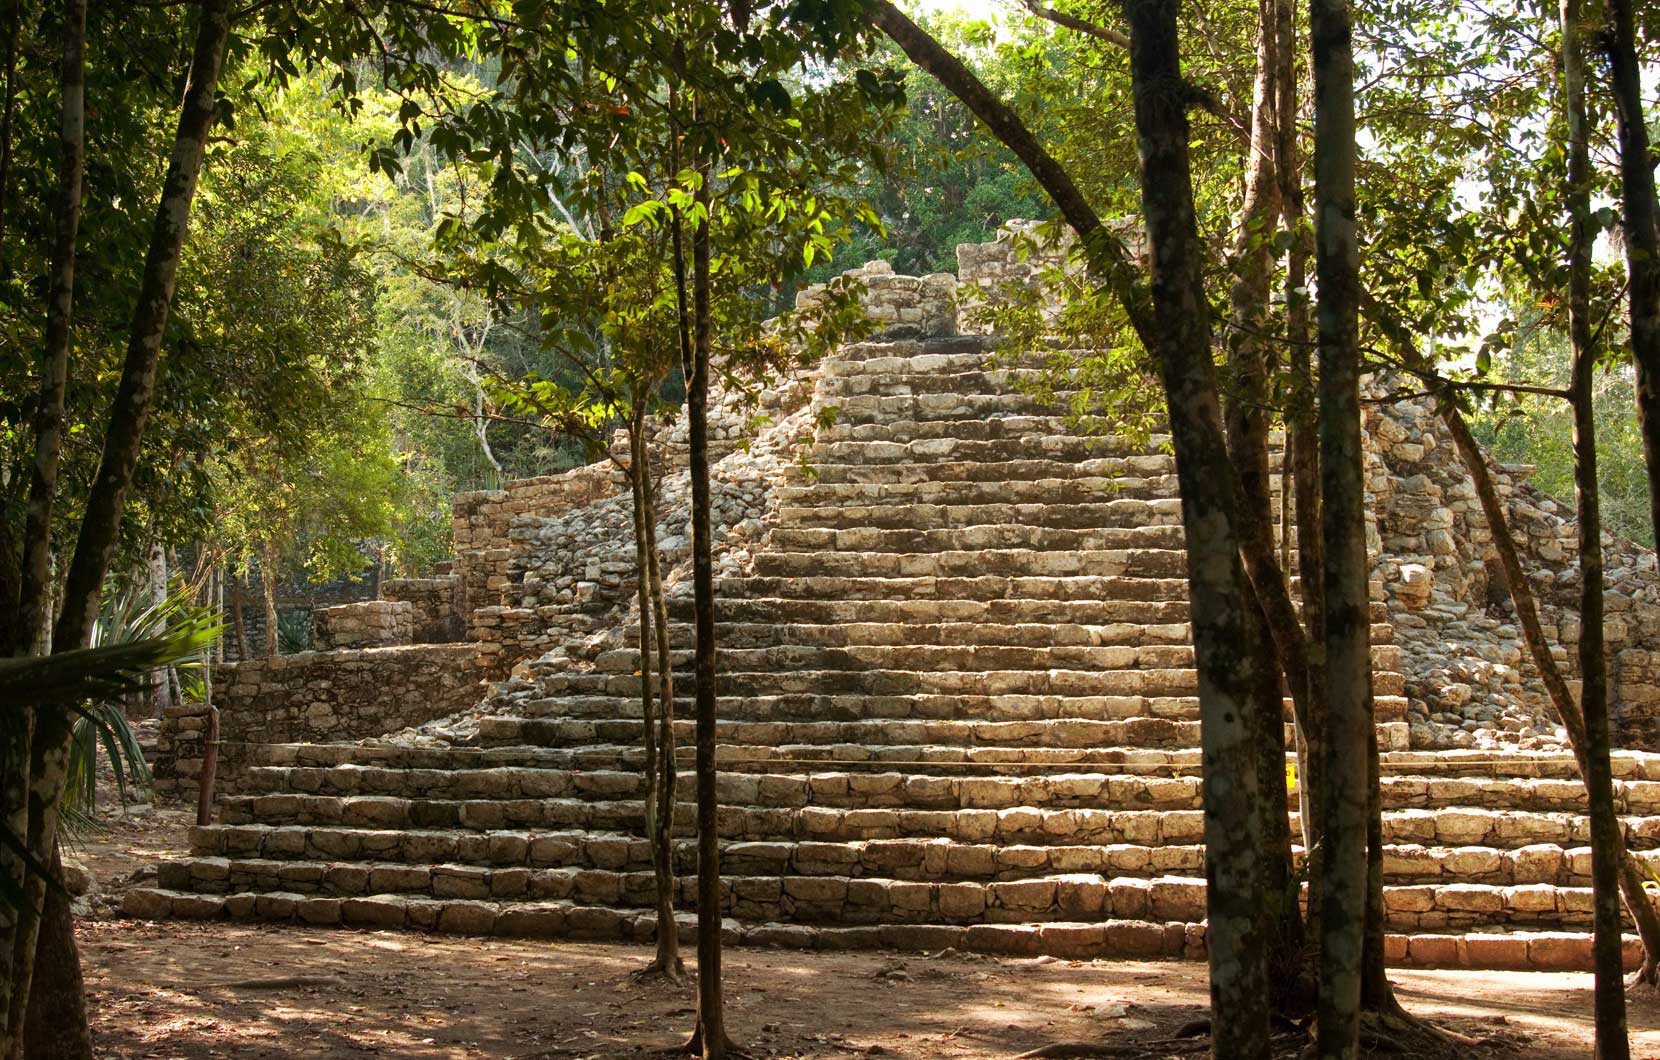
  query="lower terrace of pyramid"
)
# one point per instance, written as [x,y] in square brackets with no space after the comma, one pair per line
[958,702]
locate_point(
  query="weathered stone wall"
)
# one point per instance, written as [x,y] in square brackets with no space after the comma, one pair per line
[368,624]
[1470,680]
[483,520]
[902,307]
[314,697]
[436,604]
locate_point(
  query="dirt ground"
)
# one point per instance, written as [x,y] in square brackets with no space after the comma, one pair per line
[190,991]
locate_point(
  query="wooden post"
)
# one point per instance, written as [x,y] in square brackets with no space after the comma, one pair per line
[210,766]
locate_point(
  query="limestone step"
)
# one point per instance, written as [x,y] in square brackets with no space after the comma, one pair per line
[1166,681]
[1117,514]
[1012,562]
[1125,939]
[573,732]
[857,629]
[983,537]
[823,492]
[1087,589]
[890,361]
[880,347]
[1104,455]
[939,860]
[930,617]
[947,760]
[1093,479]
[988,429]
[857,645]
[926,614]
[944,760]
[921,657]
[1000,381]
[814,707]
[916,790]
[1498,829]
[841,900]
[942,406]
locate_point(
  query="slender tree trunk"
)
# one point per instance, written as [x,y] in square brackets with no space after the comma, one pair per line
[239,624]
[1641,215]
[1347,612]
[101,521]
[1228,674]
[1250,363]
[19,931]
[268,596]
[667,770]
[710,1038]
[659,832]
[1607,848]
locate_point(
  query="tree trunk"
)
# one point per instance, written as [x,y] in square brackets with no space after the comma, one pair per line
[1641,214]
[668,947]
[156,576]
[1250,363]
[58,1030]
[101,521]
[1606,833]
[268,596]
[31,633]
[1347,605]
[710,1036]
[659,832]
[239,624]
[1228,674]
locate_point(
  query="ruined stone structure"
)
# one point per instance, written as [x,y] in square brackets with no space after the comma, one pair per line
[958,703]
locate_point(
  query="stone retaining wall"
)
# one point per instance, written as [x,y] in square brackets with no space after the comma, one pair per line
[1470,679]
[436,602]
[483,521]
[368,624]
[902,307]
[314,697]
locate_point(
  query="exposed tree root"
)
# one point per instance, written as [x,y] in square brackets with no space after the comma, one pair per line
[694,1047]
[1392,1030]
[671,971]
[1647,977]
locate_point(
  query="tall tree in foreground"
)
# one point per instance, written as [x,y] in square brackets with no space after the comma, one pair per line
[1172,321]
[48,744]
[1229,682]
[1641,217]
[1347,610]
[710,1038]
[1606,848]
[30,618]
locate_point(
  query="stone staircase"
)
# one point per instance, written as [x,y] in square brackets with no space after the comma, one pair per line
[958,709]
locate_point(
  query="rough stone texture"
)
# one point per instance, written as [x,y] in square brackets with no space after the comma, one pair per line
[368,624]
[313,697]
[436,604]
[483,519]
[1469,678]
